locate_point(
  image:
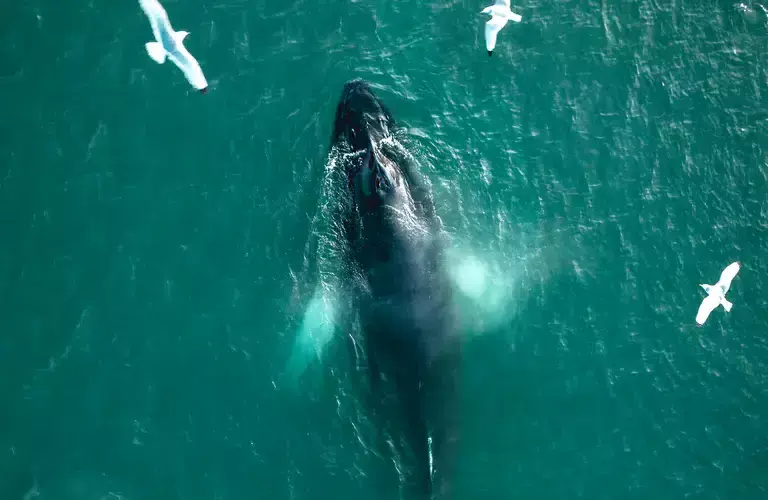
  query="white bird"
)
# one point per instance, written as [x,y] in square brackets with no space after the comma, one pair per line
[500,14]
[170,44]
[716,293]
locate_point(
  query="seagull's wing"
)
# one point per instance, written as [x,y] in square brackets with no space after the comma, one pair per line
[158,17]
[707,306]
[191,68]
[492,28]
[154,10]
[505,3]
[727,276]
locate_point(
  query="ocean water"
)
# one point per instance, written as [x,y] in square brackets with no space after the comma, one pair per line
[159,248]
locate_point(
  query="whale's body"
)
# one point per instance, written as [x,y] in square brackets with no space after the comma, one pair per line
[404,298]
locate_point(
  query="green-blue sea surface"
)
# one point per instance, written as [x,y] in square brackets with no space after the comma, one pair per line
[159,247]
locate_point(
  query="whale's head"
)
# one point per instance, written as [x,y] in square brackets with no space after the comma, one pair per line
[365,125]
[361,117]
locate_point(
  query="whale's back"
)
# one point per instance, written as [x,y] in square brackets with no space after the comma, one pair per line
[410,327]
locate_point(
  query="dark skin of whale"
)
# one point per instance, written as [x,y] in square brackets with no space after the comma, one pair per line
[408,322]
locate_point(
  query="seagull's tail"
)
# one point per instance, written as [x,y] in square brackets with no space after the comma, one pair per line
[726,305]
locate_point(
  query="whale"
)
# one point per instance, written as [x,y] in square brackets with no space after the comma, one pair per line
[404,297]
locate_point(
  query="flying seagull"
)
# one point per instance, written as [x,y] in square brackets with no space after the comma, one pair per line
[500,14]
[171,44]
[716,293]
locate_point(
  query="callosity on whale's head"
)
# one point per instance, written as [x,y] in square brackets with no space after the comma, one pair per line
[361,118]
[363,122]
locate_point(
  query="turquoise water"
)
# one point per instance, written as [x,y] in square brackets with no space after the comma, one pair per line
[159,247]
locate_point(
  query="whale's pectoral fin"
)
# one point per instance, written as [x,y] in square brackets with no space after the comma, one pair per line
[179,36]
[483,290]
[317,328]
[156,52]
